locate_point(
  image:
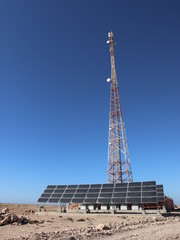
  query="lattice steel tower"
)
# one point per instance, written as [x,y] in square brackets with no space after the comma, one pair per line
[119,167]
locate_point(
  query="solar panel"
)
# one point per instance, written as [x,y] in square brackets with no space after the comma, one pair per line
[42,200]
[121,185]
[72,186]
[92,195]
[94,190]
[61,186]
[119,195]
[106,195]
[84,186]
[134,189]
[135,184]
[68,195]
[53,200]
[120,189]
[133,200]
[118,200]
[134,194]
[152,183]
[48,191]
[96,186]
[81,190]
[45,195]
[104,200]
[65,200]
[108,185]
[149,200]
[56,195]
[69,191]
[109,193]
[160,193]
[107,190]
[90,200]
[51,186]
[77,200]
[58,191]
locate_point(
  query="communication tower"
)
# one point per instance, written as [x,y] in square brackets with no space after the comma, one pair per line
[119,167]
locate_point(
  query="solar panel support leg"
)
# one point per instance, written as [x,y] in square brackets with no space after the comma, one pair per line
[143,211]
[113,211]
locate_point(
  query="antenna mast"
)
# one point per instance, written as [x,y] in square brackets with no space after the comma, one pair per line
[119,167]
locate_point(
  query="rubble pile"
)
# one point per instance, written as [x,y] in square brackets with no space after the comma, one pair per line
[10,218]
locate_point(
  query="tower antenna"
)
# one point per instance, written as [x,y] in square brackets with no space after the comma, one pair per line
[119,167]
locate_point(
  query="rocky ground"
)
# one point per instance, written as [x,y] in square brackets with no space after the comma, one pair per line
[21,222]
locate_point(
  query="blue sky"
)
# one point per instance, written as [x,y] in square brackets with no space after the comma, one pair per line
[54,98]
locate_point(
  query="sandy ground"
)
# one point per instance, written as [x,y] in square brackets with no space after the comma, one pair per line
[121,226]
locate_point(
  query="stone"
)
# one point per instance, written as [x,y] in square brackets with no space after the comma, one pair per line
[5,210]
[14,218]
[102,227]
[5,221]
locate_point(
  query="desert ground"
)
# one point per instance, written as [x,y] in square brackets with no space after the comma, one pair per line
[53,225]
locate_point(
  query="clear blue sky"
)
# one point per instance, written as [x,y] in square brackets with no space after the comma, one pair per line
[54,98]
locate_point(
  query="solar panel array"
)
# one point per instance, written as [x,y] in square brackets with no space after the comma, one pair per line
[119,193]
